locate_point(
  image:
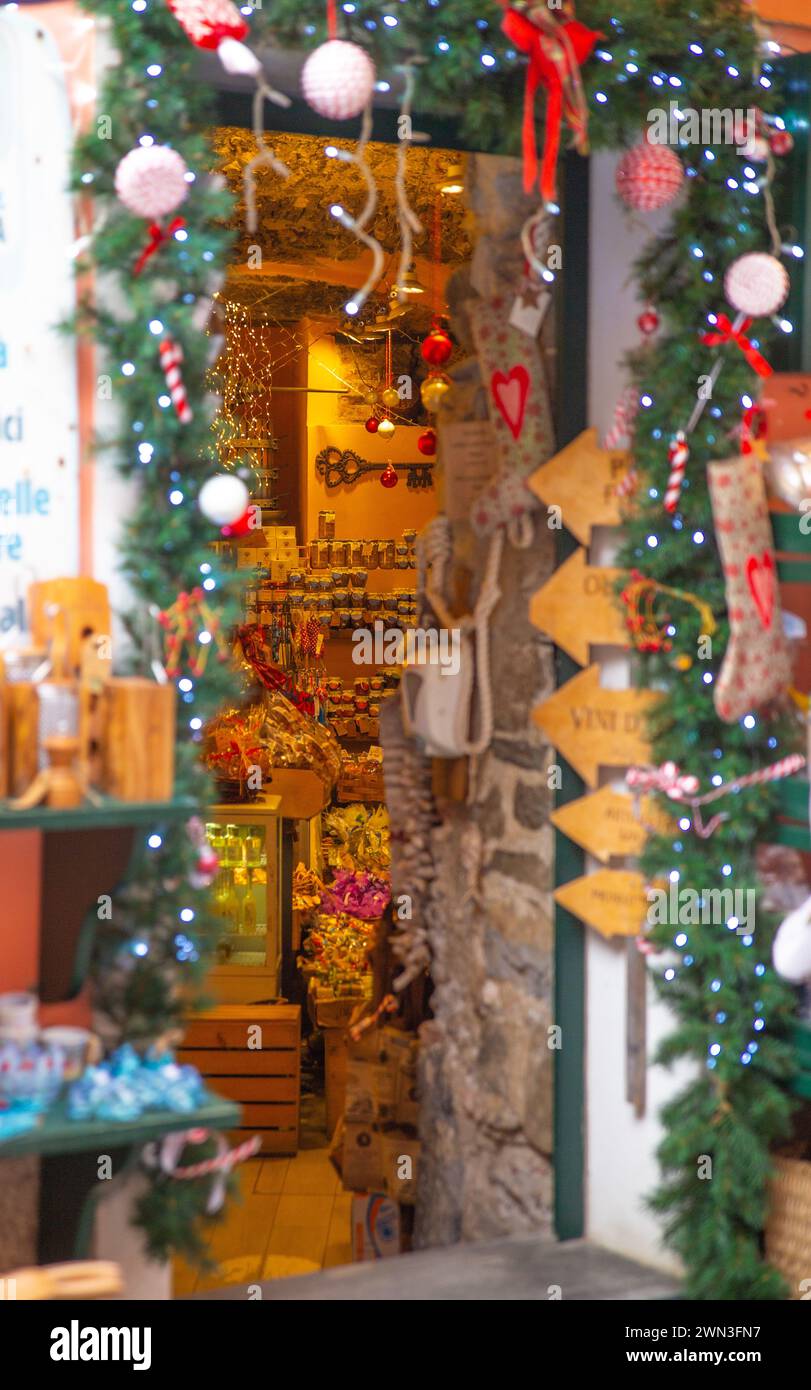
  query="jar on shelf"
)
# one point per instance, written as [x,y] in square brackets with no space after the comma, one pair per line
[371,554]
[358,578]
[340,576]
[409,536]
[326,525]
[388,555]
[339,552]
[356,552]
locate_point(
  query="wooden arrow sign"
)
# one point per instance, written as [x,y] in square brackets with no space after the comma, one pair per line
[596,728]
[613,901]
[605,823]
[579,605]
[582,481]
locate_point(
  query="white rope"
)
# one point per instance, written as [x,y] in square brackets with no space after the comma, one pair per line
[410,225]
[265,154]
[489,595]
[357,225]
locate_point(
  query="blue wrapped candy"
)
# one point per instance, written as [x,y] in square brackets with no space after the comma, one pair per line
[126,1085]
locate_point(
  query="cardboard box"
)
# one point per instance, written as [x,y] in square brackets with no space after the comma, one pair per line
[400,1157]
[362,1160]
[407,1105]
[375,1227]
[371,1079]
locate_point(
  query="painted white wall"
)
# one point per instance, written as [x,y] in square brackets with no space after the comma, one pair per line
[621,1166]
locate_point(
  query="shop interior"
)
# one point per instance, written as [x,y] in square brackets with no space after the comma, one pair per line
[328,419]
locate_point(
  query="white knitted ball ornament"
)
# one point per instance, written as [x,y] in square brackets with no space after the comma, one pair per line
[649,176]
[223,499]
[338,79]
[151,180]
[756,285]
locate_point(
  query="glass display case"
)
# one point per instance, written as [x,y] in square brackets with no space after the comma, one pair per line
[246,896]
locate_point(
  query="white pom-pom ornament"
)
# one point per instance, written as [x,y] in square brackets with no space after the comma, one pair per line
[756,285]
[223,499]
[338,79]
[649,176]
[151,180]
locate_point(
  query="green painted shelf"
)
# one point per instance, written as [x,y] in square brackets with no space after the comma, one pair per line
[108,812]
[57,1134]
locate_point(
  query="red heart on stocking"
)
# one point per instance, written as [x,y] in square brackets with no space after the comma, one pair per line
[760,578]
[510,395]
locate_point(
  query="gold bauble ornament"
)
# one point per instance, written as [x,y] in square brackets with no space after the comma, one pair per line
[370,397]
[390,397]
[434,391]
[682,662]
[385,429]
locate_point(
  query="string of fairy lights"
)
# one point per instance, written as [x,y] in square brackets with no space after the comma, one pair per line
[619,69]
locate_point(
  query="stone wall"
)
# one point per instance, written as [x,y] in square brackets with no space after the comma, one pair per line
[487,1070]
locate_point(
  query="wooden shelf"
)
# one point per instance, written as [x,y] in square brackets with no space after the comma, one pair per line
[57,1134]
[108,812]
[296,794]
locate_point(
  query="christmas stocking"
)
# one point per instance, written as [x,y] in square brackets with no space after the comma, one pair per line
[757,664]
[514,377]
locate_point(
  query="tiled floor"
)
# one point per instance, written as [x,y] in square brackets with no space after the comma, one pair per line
[294,1218]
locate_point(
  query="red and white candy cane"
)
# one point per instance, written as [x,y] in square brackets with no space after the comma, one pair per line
[678,454]
[171,355]
[165,1154]
[625,412]
[681,788]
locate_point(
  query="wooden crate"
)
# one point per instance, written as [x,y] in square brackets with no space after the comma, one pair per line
[223,1044]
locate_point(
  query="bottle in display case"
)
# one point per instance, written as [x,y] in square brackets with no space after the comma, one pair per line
[246,899]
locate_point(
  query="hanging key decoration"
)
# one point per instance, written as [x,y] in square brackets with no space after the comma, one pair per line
[344,466]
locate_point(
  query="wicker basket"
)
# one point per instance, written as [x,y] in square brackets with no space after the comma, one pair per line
[788,1226]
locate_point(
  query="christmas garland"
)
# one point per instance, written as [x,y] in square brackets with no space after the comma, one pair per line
[154,950]
[731,1010]
[710,56]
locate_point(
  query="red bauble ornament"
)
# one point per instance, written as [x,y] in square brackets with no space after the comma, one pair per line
[649,176]
[388,478]
[240,527]
[648,321]
[781,142]
[436,348]
[372,424]
[427,442]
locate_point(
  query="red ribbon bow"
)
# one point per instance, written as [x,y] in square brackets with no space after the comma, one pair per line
[157,236]
[736,332]
[556,51]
